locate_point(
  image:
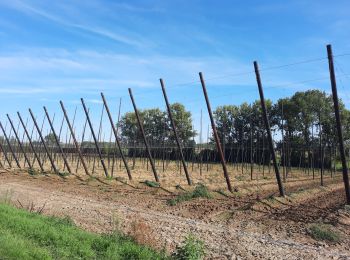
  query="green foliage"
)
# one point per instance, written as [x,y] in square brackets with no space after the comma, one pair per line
[152,184]
[50,139]
[324,232]
[63,174]
[200,191]
[25,235]
[32,171]
[157,125]
[192,249]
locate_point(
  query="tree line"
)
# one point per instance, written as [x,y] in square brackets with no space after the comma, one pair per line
[303,126]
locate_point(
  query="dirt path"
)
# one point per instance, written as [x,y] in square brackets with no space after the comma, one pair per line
[223,239]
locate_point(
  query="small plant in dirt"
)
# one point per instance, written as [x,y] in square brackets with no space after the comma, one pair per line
[33,171]
[63,174]
[324,232]
[192,249]
[222,192]
[152,184]
[109,178]
[200,191]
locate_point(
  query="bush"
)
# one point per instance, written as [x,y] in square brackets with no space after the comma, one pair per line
[201,191]
[152,184]
[324,232]
[192,249]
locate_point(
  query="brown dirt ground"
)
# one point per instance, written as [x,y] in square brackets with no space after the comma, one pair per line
[248,224]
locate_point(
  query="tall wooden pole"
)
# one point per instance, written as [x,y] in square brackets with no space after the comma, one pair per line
[43,142]
[95,139]
[216,136]
[268,130]
[175,133]
[5,155]
[30,142]
[144,137]
[57,141]
[19,143]
[116,137]
[338,121]
[10,146]
[74,139]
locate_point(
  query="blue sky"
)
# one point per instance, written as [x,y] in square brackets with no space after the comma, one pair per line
[53,50]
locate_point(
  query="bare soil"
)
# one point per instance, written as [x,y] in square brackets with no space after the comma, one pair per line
[252,223]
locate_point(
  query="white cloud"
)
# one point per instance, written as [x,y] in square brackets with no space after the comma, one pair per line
[20,6]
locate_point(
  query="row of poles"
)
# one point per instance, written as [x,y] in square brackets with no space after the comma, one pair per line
[174,129]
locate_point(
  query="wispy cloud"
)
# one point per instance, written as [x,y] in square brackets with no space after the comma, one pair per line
[134,8]
[28,90]
[20,6]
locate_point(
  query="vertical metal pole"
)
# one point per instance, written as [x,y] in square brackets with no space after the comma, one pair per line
[30,142]
[57,141]
[268,130]
[94,136]
[216,136]
[175,133]
[74,139]
[144,136]
[10,146]
[43,142]
[338,121]
[116,137]
[19,142]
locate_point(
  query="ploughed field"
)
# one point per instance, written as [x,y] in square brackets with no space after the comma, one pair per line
[252,222]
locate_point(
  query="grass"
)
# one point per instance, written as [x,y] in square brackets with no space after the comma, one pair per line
[32,171]
[151,184]
[324,232]
[200,191]
[192,249]
[25,235]
[63,174]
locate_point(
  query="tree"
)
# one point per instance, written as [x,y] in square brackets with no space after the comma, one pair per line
[157,126]
[50,139]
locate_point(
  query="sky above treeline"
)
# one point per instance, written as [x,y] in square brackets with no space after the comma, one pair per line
[65,50]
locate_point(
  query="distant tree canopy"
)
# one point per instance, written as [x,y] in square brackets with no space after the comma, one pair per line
[50,139]
[306,119]
[157,126]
